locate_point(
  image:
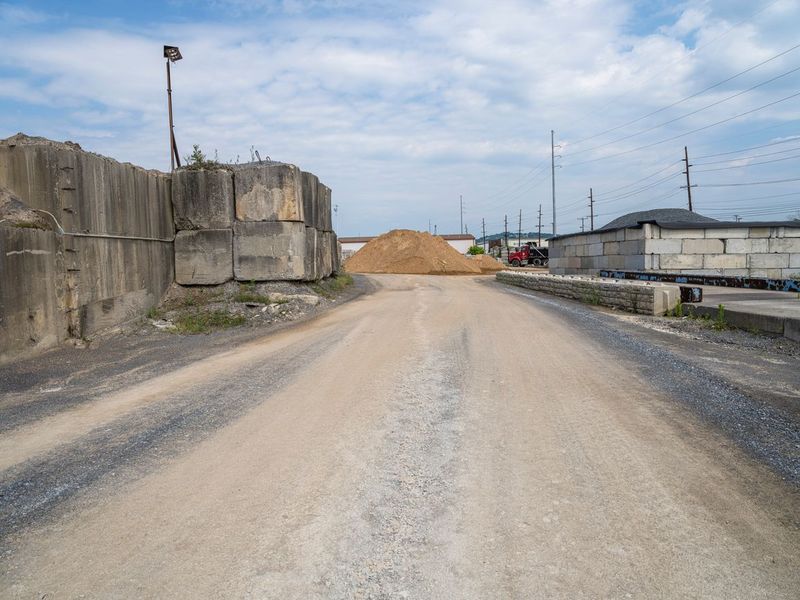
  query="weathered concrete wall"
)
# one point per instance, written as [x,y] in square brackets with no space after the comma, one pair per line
[770,252]
[115,258]
[587,254]
[636,296]
[31,291]
[202,199]
[270,203]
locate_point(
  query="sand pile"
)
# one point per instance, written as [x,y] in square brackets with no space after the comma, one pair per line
[413,252]
[487,264]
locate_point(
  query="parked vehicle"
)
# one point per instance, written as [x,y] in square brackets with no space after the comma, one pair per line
[529,255]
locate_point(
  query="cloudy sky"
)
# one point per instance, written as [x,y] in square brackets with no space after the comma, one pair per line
[402,107]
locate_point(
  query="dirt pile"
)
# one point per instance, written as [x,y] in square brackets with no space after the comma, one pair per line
[411,252]
[488,264]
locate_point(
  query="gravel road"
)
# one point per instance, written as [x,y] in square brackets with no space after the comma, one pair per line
[441,437]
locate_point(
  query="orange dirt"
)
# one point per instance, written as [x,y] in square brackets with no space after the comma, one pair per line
[412,252]
[488,264]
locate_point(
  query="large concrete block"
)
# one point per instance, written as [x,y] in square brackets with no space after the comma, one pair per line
[311,210]
[785,244]
[725,261]
[791,232]
[324,198]
[312,262]
[760,232]
[336,253]
[768,261]
[660,246]
[749,246]
[794,260]
[728,232]
[682,233]
[269,192]
[595,249]
[703,246]
[203,257]
[202,199]
[677,262]
[269,251]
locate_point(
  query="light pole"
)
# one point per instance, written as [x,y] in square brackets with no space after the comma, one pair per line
[172,54]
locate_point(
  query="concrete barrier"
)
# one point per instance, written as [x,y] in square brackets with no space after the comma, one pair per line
[204,257]
[268,192]
[269,251]
[202,199]
[634,296]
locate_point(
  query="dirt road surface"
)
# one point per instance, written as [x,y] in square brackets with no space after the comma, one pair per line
[442,437]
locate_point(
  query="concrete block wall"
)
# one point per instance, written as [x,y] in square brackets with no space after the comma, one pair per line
[770,252]
[635,296]
[113,261]
[586,254]
[278,220]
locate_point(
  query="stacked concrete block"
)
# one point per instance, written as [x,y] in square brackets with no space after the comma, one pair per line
[269,192]
[203,256]
[260,222]
[203,212]
[270,251]
[202,199]
[635,296]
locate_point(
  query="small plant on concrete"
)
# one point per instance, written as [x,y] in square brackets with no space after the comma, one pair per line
[719,323]
[678,310]
[474,250]
[197,160]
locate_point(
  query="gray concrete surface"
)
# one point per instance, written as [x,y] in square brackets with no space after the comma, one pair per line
[202,199]
[403,446]
[269,251]
[204,257]
[763,310]
[269,192]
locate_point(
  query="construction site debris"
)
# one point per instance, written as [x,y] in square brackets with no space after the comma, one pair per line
[410,252]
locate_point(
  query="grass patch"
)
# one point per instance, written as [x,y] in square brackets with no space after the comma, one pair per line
[719,323]
[204,322]
[327,288]
[153,313]
[253,298]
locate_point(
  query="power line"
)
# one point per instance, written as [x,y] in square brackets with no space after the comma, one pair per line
[749,183]
[681,59]
[727,160]
[763,162]
[682,100]
[675,137]
[681,117]
[786,141]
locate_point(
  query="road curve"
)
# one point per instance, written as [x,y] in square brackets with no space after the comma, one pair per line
[443,437]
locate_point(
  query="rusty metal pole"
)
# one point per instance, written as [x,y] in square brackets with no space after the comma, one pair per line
[171,125]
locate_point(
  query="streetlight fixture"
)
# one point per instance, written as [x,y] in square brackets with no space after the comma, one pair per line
[172,54]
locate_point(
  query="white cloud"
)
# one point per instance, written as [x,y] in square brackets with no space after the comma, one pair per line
[401,109]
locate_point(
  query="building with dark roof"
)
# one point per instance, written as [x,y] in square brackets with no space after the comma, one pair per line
[680,241]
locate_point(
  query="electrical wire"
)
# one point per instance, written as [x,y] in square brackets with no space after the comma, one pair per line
[727,160]
[682,100]
[681,117]
[763,162]
[675,137]
[748,183]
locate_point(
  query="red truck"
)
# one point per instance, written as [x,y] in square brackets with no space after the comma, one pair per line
[528,255]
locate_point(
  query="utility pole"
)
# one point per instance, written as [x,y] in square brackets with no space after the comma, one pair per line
[429,225]
[737,218]
[688,185]
[461,204]
[505,230]
[540,226]
[553,174]
[434,229]
[591,210]
[171,54]
[483,229]
[582,220]
[519,231]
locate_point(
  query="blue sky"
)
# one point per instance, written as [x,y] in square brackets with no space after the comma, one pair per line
[402,107]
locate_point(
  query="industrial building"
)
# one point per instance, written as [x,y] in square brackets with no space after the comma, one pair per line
[683,242]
